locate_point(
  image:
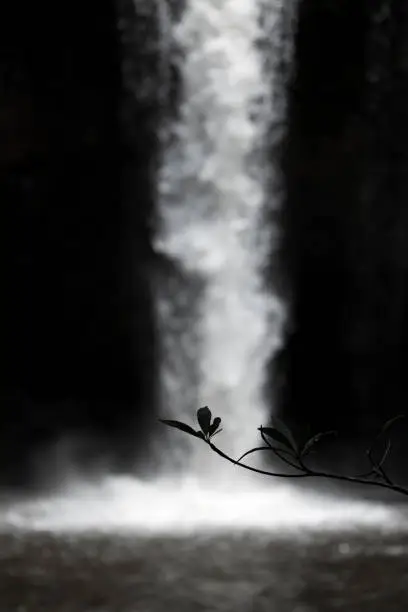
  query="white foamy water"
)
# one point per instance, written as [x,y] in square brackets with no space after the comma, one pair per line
[187,507]
[212,208]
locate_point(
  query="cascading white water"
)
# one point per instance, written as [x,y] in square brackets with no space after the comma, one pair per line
[212,212]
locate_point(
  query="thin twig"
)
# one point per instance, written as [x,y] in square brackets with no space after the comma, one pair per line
[314,474]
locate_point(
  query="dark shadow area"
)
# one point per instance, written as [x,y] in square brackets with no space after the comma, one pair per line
[77,332]
[345,223]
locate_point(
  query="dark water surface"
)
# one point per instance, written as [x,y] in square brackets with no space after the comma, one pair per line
[258,572]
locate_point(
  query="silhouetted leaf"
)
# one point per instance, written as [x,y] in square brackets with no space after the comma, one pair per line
[214,426]
[385,454]
[182,426]
[390,423]
[314,440]
[276,435]
[200,435]
[204,419]
[377,440]
[285,430]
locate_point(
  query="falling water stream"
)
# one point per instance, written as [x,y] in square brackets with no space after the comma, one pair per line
[212,212]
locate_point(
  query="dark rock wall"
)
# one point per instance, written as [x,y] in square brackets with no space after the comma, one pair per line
[76,334]
[345,217]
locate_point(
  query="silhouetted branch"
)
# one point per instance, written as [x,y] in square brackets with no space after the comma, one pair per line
[292,455]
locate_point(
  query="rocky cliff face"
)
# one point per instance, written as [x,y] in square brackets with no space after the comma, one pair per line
[345,219]
[77,332]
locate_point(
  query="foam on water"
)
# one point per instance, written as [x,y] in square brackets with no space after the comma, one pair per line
[186,506]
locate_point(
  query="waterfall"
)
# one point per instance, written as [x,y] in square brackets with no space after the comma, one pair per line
[219,323]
